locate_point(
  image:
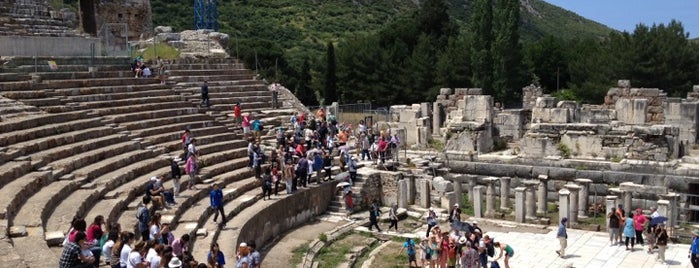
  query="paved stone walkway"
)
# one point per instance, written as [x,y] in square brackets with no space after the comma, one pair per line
[585,249]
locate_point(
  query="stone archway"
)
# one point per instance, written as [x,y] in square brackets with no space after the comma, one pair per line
[88,16]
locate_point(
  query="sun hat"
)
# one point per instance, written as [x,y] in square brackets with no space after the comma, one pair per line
[175,262]
[475,222]
[431,209]
[243,244]
[695,232]
[456,205]
[462,240]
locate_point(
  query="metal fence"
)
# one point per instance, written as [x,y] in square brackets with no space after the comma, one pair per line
[688,209]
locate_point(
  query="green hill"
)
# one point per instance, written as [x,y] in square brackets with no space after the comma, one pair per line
[302,27]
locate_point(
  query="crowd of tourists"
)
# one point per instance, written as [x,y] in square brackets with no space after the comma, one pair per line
[455,244]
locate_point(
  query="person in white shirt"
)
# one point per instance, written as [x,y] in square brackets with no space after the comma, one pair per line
[107,247]
[135,257]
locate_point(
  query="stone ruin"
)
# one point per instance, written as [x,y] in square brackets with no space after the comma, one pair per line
[633,123]
[191,43]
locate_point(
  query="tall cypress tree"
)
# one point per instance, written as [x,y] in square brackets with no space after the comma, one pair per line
[303,86]
[481,57]
[330,85]
[508,69]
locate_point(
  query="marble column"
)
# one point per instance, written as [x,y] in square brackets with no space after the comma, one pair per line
[563,202]
[664,209]
[411,189]
[584,197]
[519,204]
[424,190]
[478,201]
[628,205]
[490,196]
[573,202]
[436,118]
[530,202]
[673,209]
[403,193]
[542,195]
[472,181]
[505,193]
[458,192]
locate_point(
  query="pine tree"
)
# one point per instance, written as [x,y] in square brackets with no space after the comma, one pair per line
[508,68]
[303,90]
[481,57]
[330,86]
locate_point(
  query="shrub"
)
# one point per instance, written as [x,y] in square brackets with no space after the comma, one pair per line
[565,151]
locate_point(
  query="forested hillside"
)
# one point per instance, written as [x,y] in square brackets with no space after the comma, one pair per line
[393,51]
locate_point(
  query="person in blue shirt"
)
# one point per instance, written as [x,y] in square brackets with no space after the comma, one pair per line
[410,245]
[215,257]
[694,249]
[562,236]
[216,198]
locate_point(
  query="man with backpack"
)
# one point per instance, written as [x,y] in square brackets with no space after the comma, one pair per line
[143,216]
[410,245]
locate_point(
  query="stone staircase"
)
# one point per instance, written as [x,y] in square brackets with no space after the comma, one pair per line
[31,18]
[97,137]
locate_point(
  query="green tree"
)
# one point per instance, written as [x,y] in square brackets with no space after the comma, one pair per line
[303,87]
[419,78]
[481,45]
[548,61]
[454,64]
[509,74]
[330,93]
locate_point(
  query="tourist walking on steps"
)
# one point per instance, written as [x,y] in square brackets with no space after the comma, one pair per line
[614,223]
[237,113]
[639,221]
[694,249]
[431,221]
[409,244]
[661,241]
[191,169]
[216,201]
[507,250]
[562,236]
[176,175]
[373,218]
[205,94]
[267,185]
[629,231]
[393,216]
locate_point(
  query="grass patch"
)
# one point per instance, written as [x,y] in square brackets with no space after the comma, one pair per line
[389,256]
[365,256]
[333,255]
[298,253]
[163,50]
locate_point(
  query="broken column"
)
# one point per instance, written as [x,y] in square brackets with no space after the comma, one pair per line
[663,210]
[472,182]
[563,208]
[456,181]
[519,204]
[505,193]
[610,202]
[436,118]
[573,202]
[478,201]
[424,185]
[530,202]
[490,196]
[403,193]
[411,189]
[672,210]
[584,196]
[542,195]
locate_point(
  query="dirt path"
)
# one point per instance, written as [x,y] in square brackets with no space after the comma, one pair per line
[280,254]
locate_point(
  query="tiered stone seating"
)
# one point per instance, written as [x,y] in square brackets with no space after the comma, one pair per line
[105,135]
[27,18]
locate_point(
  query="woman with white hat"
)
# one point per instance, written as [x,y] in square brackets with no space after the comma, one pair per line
[243,259]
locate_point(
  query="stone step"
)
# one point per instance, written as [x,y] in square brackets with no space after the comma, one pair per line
[152,114]
[14,193]
[220,87]
[113,162]
[147,123]
[205,66]
[178,127]
[212,72]
[112,111]
[116,200]
[224,93]
[213,171]
[173,141]
[101,73]
[67,165]
[242,100]
[12,170]
[216,151]
[120,96]
[129,102]
[70,60]
[72,149]
[94,93]
[75,83]
[232,84]
[9,138]
[188,78]
[43,102]
[40,144]
[34,252]
[228,107]
[40,205]
[39,121]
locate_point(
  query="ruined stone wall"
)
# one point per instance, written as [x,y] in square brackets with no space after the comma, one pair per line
[636,105]
[136,14]
[529,95]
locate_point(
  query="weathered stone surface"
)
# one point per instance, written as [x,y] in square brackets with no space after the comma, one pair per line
[441,185]
[18,231]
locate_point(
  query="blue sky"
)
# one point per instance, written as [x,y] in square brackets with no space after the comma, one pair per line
[626,14]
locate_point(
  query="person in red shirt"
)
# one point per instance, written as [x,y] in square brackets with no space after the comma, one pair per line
[382,149]
[237,112]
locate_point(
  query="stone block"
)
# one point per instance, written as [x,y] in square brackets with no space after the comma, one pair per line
[475,91]
[546,102]
[442,185]
[18,231]
[461,91]
[623,83]
[202,232]
[445,91]
[54,238]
